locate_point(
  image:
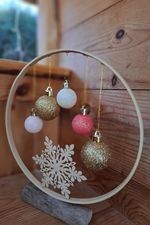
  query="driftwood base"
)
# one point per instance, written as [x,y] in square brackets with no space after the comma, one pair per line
[69,213]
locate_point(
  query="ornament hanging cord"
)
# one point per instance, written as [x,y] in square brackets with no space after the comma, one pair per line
[85,81]
[33,110]
[49,73]
[49,90]
[34,82]
[100,94]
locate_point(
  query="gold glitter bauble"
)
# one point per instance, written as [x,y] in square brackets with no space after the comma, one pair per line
[95,155]
[46,107]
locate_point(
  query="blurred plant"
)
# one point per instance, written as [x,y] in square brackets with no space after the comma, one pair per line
[18,26]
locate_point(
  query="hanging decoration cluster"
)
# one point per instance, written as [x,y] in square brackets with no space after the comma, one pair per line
[95,153]
[56,163]
[47,107]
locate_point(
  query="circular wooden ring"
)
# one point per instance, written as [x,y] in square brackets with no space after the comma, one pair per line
[23,167]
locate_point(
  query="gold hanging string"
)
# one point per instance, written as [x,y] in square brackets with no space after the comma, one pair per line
[100,95]
[32,110]
[85,81]
[34,82]
[49,72]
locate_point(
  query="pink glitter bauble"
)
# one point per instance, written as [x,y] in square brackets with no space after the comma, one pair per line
[82,124]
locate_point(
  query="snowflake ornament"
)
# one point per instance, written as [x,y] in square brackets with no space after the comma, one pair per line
[57,167]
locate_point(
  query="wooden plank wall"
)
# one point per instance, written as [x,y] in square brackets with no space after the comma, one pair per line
[118,31]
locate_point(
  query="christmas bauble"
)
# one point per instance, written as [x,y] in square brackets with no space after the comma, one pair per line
[82,124]
[33,124]
[46,106]
[95,154]
[66,97]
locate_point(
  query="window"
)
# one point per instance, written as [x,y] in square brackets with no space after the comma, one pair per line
[18,30]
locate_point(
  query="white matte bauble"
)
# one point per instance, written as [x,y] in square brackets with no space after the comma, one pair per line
[33,124]
[66,97]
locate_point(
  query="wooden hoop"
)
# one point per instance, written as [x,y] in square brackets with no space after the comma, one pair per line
[25,170]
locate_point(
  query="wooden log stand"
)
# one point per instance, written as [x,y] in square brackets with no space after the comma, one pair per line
[69,213]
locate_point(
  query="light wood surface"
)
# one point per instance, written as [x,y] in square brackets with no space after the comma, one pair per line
[82,12]
[14,211]
[97,34]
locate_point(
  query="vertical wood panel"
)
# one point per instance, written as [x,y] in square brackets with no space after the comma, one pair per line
[47,28]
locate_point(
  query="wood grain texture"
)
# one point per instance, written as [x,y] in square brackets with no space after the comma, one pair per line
[26,90]
[13,210]
[110,216]
[128,55]
[96,29]
[119,127]
[7,162]
[71,18]
[133,202]
[14,67]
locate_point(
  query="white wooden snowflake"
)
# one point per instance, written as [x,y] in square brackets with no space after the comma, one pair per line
[57,168]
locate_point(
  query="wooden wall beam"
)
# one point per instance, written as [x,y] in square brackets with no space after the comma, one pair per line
[11,67]
[26,90]
[9,70]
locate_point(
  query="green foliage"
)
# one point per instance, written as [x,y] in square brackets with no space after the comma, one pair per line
[8,37]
